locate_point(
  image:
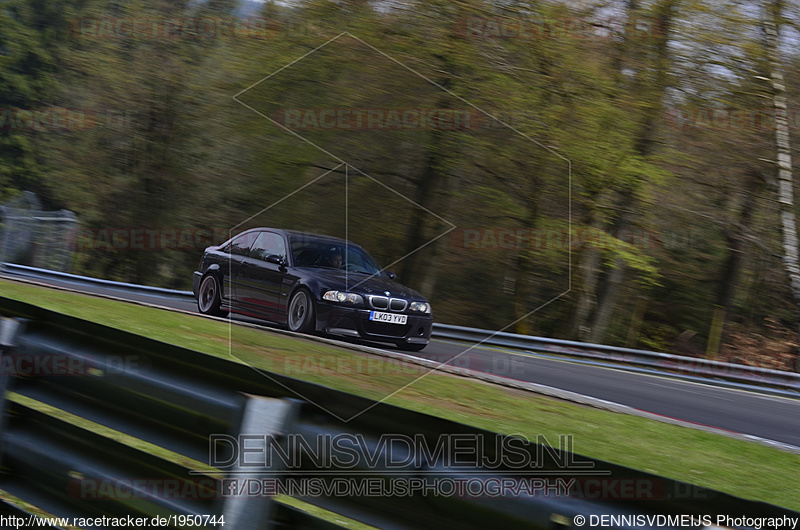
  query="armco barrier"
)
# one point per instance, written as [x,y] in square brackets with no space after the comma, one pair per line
[660,361]
[195,406]
[37,273]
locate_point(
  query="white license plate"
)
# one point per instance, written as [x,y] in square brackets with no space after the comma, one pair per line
[389,318]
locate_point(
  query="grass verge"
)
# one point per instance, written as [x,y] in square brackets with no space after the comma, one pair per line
[745,469]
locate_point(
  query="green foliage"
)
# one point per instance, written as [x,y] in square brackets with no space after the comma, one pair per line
[559,125]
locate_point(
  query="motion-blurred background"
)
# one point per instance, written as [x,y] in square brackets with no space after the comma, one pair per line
[619,157]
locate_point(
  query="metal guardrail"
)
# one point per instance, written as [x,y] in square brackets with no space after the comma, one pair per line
[34,272]
[694,366]
[662,361]
[182,400]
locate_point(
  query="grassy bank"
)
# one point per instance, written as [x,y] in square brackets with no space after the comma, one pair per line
[741,468]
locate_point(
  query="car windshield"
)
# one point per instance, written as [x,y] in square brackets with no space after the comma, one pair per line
[308,251]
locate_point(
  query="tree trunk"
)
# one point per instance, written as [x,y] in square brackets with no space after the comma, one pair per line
[607,302]
[734,238]
[430,181]
[521,293]
[445,203]
[587,299]
[636,322]
[652,92]
[611,282]
[523,288]
[785,184]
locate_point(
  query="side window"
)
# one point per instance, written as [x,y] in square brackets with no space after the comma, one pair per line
[268,244]
[302,254]
[241,245]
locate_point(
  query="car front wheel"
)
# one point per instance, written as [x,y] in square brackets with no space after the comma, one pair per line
[209,299]
[301,312]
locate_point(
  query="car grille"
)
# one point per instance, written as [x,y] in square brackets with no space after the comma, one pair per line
[397,304]
[384,302]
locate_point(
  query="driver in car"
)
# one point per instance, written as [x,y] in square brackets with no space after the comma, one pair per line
[335,261]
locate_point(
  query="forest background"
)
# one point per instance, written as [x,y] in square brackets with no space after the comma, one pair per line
[599,171]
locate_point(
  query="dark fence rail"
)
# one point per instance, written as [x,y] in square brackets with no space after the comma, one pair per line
[165,420]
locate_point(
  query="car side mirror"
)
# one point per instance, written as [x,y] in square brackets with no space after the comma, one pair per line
[391,275]
[274,258]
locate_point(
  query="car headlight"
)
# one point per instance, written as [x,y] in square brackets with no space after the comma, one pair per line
[341,296]
[420,307]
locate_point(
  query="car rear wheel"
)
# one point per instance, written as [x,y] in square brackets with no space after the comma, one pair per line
[301,312]
[208,298]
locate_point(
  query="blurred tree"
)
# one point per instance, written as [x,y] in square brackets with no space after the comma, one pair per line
[146,87]
[32,36]
[670,207]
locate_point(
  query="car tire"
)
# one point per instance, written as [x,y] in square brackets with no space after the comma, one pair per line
[411,347]
[301,312]
[208,297]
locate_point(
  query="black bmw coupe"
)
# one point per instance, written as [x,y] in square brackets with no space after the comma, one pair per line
[311,284]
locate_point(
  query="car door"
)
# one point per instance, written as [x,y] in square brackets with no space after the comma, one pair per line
[231,266]
[260,288]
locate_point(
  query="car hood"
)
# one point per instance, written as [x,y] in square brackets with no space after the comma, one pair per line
[362,283]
